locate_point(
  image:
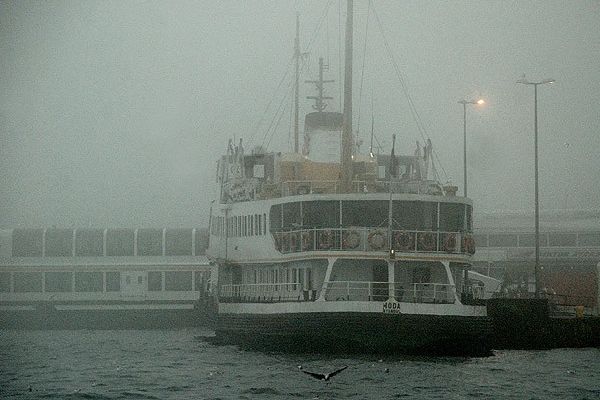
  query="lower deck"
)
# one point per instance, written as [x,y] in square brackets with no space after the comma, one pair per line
[348,279]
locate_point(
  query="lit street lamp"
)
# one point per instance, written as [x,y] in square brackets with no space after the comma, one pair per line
[464,103]
[537,203]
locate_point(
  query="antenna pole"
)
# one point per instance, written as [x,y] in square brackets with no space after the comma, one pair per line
[297,84]
[346,161]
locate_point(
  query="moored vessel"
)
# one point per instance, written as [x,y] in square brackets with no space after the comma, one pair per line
[328,249]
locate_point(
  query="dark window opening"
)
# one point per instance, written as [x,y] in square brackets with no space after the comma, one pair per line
[59,242]
[149,242]
[88,281]
[58,281]
[113,281]
[119,242]
[27,242]
[27,282]
[89,242]
[178,280]
[178,242]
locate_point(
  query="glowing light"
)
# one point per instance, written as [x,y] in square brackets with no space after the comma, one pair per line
[481,102]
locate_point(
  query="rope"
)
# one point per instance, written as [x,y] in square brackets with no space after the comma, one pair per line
[412,107]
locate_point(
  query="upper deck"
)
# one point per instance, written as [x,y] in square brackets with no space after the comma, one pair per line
[262,176]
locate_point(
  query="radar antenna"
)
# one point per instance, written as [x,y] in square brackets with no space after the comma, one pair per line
[320,105]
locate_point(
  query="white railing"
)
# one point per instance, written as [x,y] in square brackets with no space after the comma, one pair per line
[356,291]
[339,291]
[266,292]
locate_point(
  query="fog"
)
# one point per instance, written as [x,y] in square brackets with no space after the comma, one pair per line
[114,113]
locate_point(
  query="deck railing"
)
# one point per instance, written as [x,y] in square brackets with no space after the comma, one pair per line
[290,188]
[373,239]
[339,291]
[380,291]
[265,293]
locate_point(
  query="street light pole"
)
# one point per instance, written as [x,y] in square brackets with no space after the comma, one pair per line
[464,103]
[537,202]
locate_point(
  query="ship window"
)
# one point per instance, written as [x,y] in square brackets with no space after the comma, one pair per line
[381,171]
[364,213]
[275,218]
[239,226]
[321,214]
[113,281]
[259,171]
[244,226]
[149,242]
[89,242]
[469,218]
[452,217]
[4,282]
[119,242]
[589,239]
[251,221]
[480,240]
[413,215]
[291,216]
[88,281]
[28,281]
[178,280]
[154,281]
[59,242]
[562,239]
[502,240]
[27,242]
[264,226]
[58,281]
[201,241]
[178,242]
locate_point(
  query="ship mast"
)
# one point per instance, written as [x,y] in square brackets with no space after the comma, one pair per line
[346,157]
[297,85]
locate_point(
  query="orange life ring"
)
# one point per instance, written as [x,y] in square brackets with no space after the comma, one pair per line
[426,241]
[450,243]
[376,240]
[468,244]
[350,239]
[403,240]
[325,240]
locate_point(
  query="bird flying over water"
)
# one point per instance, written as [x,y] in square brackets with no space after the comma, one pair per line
[325,377]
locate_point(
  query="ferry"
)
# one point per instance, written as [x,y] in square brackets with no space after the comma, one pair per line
[104,278]
[327,249]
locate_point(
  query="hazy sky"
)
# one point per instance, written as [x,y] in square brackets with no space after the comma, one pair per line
[113,113]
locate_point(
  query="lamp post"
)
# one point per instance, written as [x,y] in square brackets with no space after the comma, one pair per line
[535,85]
[464,103]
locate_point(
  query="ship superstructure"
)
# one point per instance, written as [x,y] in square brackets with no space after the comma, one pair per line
[328,248]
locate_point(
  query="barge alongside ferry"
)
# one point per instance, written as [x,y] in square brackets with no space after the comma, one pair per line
[327,249]
[103,278]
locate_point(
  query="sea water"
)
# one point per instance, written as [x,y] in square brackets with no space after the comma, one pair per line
[180,364]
